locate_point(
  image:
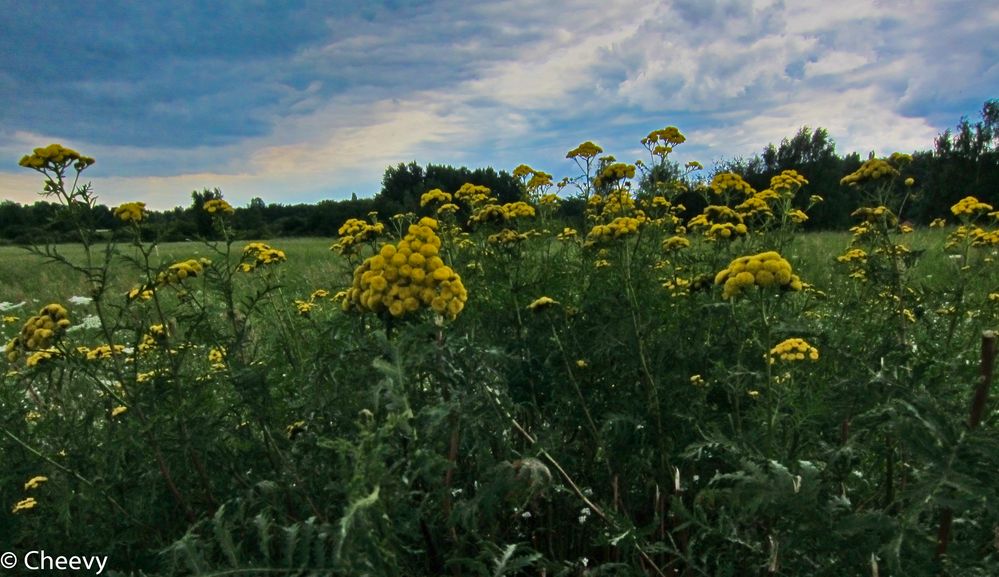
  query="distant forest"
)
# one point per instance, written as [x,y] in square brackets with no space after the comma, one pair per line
[963,161]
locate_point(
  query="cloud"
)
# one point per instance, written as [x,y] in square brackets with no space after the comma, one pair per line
[314,101]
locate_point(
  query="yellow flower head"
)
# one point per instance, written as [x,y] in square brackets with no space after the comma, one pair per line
[792,350]
[402,278]
[131,212]
[35,482]
[765,270]
[218,206]
[542,303]
[24,505]
[585,150]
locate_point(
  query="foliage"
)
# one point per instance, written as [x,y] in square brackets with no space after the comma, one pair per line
[486,386]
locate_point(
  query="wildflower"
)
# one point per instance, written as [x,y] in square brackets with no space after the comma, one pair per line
[35,482]
[753,394]
[969,206]
[118,411]
[567,233]
[787,183]
[852,255]
[872,170]
[619,227]
[730,182]
[218,206]
[794,349]
[581,363]
[910,181]
[24,505]
[257,254]
[675,243]
[938,223]
[435,195]
[39,332]
[55,157]
[697,380]
[474,195]
[355,231]
[131,212]
[37,357]
[764,270]
[304,307]
[586,150]
[175,273]
[614,172]
[542,303]
[216,357]
[401,278]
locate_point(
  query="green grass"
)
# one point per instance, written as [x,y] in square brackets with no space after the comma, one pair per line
[33,278]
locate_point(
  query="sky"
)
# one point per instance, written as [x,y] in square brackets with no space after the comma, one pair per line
[310,100]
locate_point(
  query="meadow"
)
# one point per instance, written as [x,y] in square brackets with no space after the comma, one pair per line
[484,388]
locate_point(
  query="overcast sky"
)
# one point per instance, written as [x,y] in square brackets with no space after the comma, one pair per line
[303,101]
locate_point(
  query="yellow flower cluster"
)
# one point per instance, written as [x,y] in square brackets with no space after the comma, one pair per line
[567,234]
[973,235]
[614,172]
[473,194]
[938,223]
[876,214]
[585,150]
[969,206]
[787,183]
[618,203]
[619,227]
[131,212]
[871,170]
[24,504]
[156,335]
[258,254]
[730,182]
[501,213]
[675,243]
[550,199]
[793,350]
[101,352]
[216,357]
[755,206]
[180,271]
[37,357]
[434,195]
[218,205]
[508,237]
[39,331]
[402,278]
[853,255]
[55,156]
[661,142]
[719,221]
[541,303]
[355,231]
[764,270]
[797,216]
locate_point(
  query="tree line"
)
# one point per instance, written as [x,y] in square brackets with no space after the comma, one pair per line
[963,161]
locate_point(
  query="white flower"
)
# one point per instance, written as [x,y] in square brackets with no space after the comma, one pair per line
[7,306]
[78,300]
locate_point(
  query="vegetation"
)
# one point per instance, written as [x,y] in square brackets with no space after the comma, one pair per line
[490,386]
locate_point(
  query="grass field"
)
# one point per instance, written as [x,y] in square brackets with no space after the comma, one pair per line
[28,276]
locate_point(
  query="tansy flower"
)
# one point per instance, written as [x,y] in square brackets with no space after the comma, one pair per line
[131,212]
[542,303]
[581,363]
[24,505]
[764,270]
[794,349]
[218,206]
[35,482]
[118,411]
